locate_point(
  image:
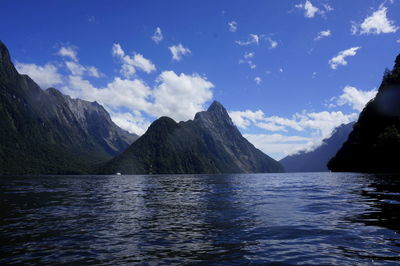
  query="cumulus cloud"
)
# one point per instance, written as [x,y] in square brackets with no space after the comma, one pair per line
[323,34]
[253,39]
[45,76]
[243,119]
[131,63]
[180,96]
[377,23]
[157,36]
[68,51]
[232,26]
[356,99]
[340,59]
[176,96]
[178,51]
[257,80]
[131,121]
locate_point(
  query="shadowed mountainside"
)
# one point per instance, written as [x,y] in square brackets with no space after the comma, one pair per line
[210,143]
[46,132]
[374,144]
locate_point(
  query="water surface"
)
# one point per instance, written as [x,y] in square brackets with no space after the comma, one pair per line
[318,218]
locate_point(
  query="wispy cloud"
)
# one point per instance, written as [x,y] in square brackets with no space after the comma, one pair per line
[233,26]
[340,59]
[253,39]
[323,34]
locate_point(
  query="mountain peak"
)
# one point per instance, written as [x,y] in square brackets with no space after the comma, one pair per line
[6,67]
[3,51]
[216,106]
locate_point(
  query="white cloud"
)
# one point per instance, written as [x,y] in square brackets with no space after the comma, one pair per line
[257,80]
[356,99]
[319,125]
[131,63]
[249,55]
[398,41]
[247,59]
[271,126]
[233,26]
[328,8]
[133,121]
[157,36]
[340,59]
[273,44]
[94,72]
[79,70]
[180,96]
[45,76]
[278,145]
[177,96]
[133,94]
[178,51]
[75,68]
[377,23]
[323,34]
[243,119]
[68,51]
[309,9]
[253,39]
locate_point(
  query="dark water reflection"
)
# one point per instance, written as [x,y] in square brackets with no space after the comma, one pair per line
[321,218]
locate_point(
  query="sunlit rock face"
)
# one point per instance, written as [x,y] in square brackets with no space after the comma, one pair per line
[44,131]
[374,143]
[210,143]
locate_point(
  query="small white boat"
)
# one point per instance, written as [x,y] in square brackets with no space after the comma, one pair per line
[118,173]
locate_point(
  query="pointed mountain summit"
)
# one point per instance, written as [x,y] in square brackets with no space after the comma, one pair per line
[210,143]
[374,144]
[47,132]
[317,159]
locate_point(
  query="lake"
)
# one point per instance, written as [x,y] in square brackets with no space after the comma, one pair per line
[304,218]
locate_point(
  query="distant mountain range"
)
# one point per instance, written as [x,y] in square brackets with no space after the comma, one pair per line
[317,159]
[46,132]
[210,143]
[374,144]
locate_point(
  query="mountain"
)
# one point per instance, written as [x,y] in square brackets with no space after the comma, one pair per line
[374,144]
[317,159]
[210,143]
[45,132]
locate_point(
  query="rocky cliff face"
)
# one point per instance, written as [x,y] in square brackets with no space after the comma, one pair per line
[48,132]
[317,159]
[374,144]
[210,143]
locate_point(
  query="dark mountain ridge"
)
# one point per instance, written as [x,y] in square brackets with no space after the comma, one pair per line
[317,159]
[46,132]
[210,143]
[374,144]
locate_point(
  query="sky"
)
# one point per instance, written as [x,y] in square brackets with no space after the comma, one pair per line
[287,71]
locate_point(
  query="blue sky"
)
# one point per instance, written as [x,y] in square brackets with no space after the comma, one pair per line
[287,71]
